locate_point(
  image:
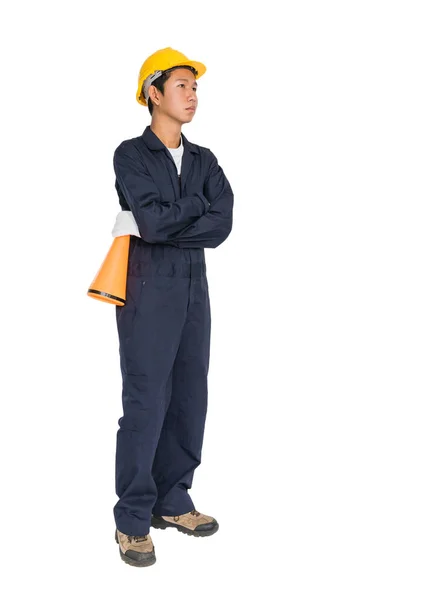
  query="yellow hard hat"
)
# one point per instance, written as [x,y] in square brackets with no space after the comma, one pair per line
[160,61]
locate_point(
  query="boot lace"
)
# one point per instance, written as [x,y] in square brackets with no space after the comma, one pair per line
[137,538]
[195,513]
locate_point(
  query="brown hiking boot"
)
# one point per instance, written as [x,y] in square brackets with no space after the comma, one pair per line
[192,523]
[136,550]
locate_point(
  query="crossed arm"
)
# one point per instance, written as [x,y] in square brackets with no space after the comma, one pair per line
[203,220]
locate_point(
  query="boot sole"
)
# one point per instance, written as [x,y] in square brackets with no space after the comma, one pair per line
[146,562]
[162,524]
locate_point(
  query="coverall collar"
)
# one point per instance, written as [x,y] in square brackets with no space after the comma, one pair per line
[154,143]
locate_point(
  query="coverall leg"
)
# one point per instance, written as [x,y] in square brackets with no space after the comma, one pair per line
[180,443]
[164,335]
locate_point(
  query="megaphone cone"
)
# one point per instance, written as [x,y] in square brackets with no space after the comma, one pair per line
[109,284]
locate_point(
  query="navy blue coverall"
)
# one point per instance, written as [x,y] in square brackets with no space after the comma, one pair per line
[164,327]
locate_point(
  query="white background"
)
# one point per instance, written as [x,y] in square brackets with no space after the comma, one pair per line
[311,458]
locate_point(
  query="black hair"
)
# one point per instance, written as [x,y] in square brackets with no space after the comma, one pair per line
[160,81]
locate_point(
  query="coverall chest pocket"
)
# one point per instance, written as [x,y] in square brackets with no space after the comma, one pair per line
[194,184]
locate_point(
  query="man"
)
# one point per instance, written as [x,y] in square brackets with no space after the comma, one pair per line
[175,201]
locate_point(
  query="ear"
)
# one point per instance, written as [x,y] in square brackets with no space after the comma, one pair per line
[153,94]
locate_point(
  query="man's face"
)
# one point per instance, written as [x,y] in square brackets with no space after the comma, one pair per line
[180,95]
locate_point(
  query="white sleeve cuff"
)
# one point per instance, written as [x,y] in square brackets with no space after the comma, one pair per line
[125,224]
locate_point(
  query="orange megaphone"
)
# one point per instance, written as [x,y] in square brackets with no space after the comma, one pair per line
[109,284]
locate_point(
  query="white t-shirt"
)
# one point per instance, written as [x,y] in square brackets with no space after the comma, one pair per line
[177,154]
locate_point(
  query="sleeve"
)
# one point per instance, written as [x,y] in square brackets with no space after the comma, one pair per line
[215,226]
[157,220]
